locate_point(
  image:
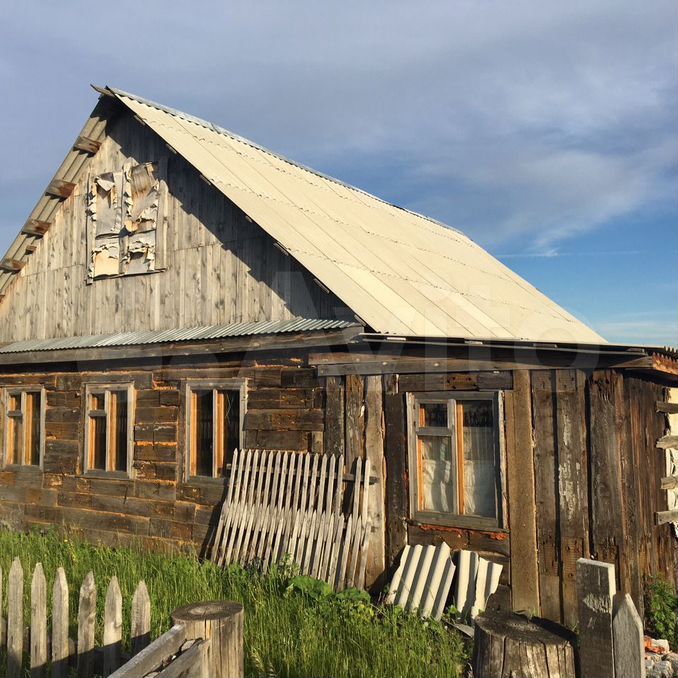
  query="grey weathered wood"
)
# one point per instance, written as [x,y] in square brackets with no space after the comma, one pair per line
[668,408]
[507,644]
[188,663]
[140,618]
[60,649]
[669,483]
[662,517]
[112,627]
[15,619]
[220,623]
[38,623]
[152,656]
[627,632]
[595,591]
[87,609]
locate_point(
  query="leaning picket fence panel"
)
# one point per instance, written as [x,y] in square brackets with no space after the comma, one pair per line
[66,653]
[283,504]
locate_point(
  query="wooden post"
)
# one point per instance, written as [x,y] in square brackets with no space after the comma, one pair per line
[374,444]
[141,618]
[595,591]
[38,623]
[627,632]
[87,610]
[60,650]
[112,627]
[15,619]
[221,623]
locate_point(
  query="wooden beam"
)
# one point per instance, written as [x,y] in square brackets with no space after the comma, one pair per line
[668,442]
[36,228]
[663,517]
[87,145]
[11,265]
[30,248]
[669,408]
[59,188]
[669,483]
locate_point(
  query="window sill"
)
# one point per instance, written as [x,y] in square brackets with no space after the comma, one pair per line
[455,521]
[107,475]
[23,468]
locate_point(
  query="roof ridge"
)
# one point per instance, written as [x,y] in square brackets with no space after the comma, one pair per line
[236,137]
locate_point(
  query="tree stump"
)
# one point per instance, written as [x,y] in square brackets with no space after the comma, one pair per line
[507,644]
[220,623]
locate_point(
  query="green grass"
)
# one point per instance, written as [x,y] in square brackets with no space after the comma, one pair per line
[291,627]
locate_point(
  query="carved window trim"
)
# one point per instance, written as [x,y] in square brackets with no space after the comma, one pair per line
[24,394]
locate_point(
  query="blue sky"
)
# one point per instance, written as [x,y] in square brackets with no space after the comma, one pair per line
[546,131]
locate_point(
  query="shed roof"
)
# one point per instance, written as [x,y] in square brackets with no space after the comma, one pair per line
[400,272]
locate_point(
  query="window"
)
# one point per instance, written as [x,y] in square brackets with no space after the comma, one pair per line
[214,415]
[123,211]
[24,426]
[454,461]
[108,433]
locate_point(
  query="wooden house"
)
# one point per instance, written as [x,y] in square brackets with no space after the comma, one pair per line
[179,292]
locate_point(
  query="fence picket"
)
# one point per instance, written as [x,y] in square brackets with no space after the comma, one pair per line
[87,609]
[112,627]
[141,618]
[338,495]
[60,651]
[38,623]
[15,619]
[2,619]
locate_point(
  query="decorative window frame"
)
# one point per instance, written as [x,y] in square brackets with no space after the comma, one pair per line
[96,388]
[190,385]
[22,390]
[456,519]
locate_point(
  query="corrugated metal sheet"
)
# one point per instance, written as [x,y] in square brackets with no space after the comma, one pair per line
[186,334]
[401,272]
[426,574]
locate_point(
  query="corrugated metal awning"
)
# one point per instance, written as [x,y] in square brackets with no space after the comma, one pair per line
[205,333]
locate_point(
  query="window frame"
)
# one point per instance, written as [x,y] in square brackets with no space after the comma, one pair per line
[22,390]
[452,398]
[191,385]
[97,388]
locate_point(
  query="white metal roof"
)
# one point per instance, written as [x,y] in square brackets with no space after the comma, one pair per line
[402,273]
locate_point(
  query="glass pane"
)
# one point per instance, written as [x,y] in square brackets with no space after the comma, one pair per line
[14,439]
[96,401]
[433,414]
[202,436]
[437,475]
[479,459]
[33,432]
[97,443]
[119,431]
[231,427]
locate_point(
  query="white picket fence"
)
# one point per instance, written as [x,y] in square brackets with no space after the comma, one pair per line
[297,506]
[63,651]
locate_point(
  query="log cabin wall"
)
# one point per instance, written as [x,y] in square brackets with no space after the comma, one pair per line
[582,474]
[583,480]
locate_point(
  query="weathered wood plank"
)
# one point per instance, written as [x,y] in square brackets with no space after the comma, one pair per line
[521,496]
[595,589]
[15,619]
[572,484]
[627,633]
[546,496]
[668,442]
[112,627]
[140,631]
[152,656]
[87,610]
[355,418]
[668,408]
[38,623]
[663,517]
[395,452]
[60,648]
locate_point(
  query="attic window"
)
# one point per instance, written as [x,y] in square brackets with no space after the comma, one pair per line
[123,215]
